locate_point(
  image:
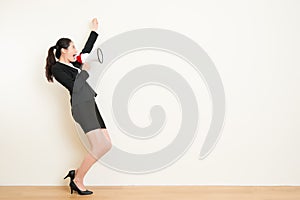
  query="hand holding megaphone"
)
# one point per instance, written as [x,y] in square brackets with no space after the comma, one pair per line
[85,66]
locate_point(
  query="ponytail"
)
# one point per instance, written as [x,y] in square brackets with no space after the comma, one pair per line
[50,61]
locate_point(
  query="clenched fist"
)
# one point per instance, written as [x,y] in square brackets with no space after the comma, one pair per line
[94,24]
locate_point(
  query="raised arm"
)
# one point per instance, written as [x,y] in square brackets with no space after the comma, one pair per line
[92,38]
[90,42]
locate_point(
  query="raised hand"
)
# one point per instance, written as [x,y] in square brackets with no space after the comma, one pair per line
[94,24]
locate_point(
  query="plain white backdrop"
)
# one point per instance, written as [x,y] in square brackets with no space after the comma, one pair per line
[254,45]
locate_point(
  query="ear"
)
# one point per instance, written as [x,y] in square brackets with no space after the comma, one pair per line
[63,50]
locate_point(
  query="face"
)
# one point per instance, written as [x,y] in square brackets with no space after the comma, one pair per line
[70,53]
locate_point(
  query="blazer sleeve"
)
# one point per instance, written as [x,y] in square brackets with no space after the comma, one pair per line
[90,42]
[87,47]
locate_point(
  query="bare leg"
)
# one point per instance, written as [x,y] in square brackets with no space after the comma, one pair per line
[100,144]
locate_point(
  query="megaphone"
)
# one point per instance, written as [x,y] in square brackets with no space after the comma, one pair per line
[81,58]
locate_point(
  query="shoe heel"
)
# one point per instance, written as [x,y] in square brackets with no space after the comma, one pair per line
[68,175]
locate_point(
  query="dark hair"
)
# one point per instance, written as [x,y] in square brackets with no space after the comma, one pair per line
[50,60]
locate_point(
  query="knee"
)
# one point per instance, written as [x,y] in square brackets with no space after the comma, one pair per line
[108,145]
[101,149]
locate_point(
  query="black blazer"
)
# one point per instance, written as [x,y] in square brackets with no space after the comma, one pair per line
[67,75]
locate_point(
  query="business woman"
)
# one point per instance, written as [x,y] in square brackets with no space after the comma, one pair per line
[72,74]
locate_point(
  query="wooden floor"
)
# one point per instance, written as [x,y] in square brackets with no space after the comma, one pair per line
[153,193]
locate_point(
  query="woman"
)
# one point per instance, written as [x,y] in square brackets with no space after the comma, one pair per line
[72,74]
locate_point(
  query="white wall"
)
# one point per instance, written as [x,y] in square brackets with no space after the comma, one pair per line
[254,45]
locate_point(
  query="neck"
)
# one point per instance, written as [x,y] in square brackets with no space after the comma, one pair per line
[64,60]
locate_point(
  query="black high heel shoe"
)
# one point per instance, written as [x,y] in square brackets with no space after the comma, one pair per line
[73,186]
[71,174]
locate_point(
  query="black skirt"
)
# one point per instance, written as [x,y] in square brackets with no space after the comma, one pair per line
[87,115]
